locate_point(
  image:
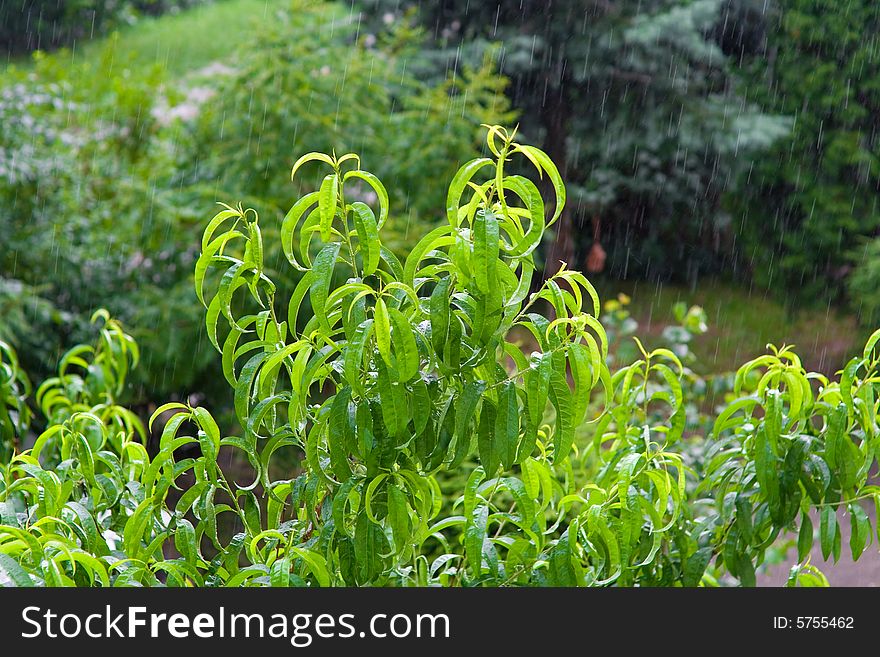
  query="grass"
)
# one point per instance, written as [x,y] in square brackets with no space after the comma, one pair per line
[741,323]
[184,42]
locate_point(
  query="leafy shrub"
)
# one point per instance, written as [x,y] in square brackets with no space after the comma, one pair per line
[35,325]
[98,182]
[810,202]
[90,183]
[404,371]
[309,82]
[863,283]
[15,388]
[641,123]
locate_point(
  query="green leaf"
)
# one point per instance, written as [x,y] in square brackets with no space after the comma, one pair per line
[537,381]
[279,573]
[86,459]
[695,566]
[310,157]
[486,249]
[296,299]
[528,192]
[507,424]
[543,162]
[340,434]
[316,564]
[465,407]
[870,344]
[206,259]
[135,527]
[289,225]
[393,408]
[439,306]
[218,219]
[860,535]
[745,568]
[827,530]
[16,574]
[368,236]
[354,356]
[421,405]
[459,182]
[805,537]
[766,469]
[398,516]
[452,349]
[243,390]
[490,455]
[560,395]
[564,567]
[475,537]
[436,239]
[255,242]
[185,541]
[407,353]
[86,524]
[370,546]
[378,187]
[328,197]
[744,517]
[382,329]
[252,513]
[322,273]
[209,426]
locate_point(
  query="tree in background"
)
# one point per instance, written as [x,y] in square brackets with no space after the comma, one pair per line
[636,102]
[806,206]
[27,25]
[312,82]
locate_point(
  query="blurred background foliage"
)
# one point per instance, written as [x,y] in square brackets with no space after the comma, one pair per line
[27,25]
[717,151]
[639,104]
[814,196]
[108,166]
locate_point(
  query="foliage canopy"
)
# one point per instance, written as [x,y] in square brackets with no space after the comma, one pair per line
[404,371]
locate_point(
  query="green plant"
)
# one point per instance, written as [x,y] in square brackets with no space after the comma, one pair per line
[806,206]
[66,500]
[863,284]
[15,387]
[91,183]
[400,371]
[101,183]
[404,371]
[598,85]
[311,81]
[792,440]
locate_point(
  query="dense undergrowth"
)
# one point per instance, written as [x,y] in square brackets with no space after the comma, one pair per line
[567,467]
[107,162]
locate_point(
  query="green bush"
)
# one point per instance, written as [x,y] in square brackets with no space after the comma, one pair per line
[863,284]
[309,82]
[634,101]
[404,371]
[810,202]
[99,182]
[91,185]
